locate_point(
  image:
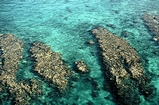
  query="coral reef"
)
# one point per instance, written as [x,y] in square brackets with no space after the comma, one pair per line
[81,66]
[123,68]
[152,22]
[11,48]
[49,65]
[11,53]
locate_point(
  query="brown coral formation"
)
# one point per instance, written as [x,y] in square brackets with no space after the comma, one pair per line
[152,21]
[11,49]
[82,66]
[122,67]
[49,65]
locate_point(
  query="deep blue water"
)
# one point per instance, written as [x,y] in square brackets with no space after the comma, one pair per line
[65,24]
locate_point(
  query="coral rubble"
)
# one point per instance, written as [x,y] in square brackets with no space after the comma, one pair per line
[82,66]
[49,65]
[152,21]
[123,68]
[11,53]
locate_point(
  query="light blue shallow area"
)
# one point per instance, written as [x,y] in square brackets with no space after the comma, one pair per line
[65,26]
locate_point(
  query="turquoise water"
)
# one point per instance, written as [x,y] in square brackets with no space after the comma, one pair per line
[65,24]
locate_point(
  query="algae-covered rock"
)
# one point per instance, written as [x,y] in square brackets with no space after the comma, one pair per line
[49,65]
[122,68]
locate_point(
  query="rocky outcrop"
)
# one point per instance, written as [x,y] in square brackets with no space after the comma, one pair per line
[49,65]
[82,67]
[152,22]
[122,68]
[11,53]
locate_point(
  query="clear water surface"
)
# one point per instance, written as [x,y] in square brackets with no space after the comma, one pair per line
[65,24]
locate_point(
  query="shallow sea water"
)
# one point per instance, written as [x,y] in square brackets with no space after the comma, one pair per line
[65,26]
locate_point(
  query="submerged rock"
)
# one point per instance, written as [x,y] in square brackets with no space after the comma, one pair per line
[49,65]
[152,22]
[91,42]
[122,68]
[82,66]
